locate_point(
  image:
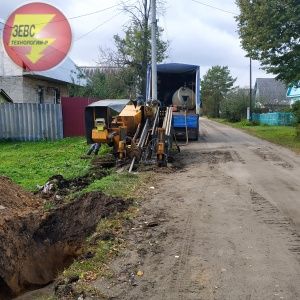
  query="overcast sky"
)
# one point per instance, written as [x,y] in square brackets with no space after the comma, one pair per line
[198,34]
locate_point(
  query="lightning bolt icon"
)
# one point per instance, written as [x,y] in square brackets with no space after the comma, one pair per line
[26,33]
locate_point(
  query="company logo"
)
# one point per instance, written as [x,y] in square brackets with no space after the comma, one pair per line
[37,36]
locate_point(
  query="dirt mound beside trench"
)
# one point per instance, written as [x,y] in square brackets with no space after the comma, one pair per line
[35,246]
[14,200]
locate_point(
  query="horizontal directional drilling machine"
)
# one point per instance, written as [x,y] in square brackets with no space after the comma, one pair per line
[137,133]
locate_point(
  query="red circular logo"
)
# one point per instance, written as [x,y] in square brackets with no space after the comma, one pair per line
[37,36]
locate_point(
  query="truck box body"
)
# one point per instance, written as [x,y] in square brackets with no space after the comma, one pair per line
[170,78]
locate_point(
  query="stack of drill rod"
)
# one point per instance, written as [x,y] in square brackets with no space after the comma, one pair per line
[167,124]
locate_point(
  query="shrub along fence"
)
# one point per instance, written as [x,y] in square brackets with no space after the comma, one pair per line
[31,122]
[275,119]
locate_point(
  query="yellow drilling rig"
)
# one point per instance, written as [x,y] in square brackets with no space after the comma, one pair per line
[136,132]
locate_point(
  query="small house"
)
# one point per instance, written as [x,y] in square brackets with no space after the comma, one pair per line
[270,93]
[293,93]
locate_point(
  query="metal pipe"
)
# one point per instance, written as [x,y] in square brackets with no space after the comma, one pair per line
[155,122]
[168,120]
[169,124]
[132,164]
[136,133]
[154,50]
[250,104]
[141,143]
[143,135]
[165,120]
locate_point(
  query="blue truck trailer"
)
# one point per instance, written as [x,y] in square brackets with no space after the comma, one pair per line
[178,85]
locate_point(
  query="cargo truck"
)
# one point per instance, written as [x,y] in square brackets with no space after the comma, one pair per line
[178,85]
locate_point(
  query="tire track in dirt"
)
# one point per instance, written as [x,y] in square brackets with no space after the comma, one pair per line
[272,216]
[178,282]
[268,155]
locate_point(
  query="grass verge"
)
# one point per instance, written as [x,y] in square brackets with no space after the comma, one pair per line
[116,185]
[280,135]
[32,163]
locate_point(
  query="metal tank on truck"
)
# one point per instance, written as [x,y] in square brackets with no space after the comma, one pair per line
[185,98]
[179,87]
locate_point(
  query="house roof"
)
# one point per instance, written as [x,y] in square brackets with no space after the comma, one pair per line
[91,71]
[114,104]
[5,96]
[66,72]
[270,90]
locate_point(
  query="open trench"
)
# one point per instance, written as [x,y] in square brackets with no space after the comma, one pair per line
[35,246]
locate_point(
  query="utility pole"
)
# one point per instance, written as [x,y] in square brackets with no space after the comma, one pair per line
[154,50]
[250,104]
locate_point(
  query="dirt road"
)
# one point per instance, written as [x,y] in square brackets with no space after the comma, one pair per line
[226,226]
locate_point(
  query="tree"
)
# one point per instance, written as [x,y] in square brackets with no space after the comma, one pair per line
[107,84]
[270,33]
[133,51]
[234,106]
[216,83]
[296,111]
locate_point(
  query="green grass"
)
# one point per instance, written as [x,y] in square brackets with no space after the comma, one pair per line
[281,135]
[122,185]
[116,185]
[32,163]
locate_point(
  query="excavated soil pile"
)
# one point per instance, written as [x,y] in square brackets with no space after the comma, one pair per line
[15,204]
[14,201]
[35,246]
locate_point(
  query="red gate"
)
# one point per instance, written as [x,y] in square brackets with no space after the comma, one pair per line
[73,110]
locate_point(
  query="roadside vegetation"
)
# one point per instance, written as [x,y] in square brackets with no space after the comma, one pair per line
[32,163]
[228,105]
[282,135]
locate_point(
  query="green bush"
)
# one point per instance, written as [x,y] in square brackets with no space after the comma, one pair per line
[234,106]
[245,123]
[296,110]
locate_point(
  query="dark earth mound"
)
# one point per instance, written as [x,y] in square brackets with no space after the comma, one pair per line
[57,187]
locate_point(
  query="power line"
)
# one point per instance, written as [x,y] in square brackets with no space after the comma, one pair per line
[93,13]
[214,7]
[98,26]
[75,17]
